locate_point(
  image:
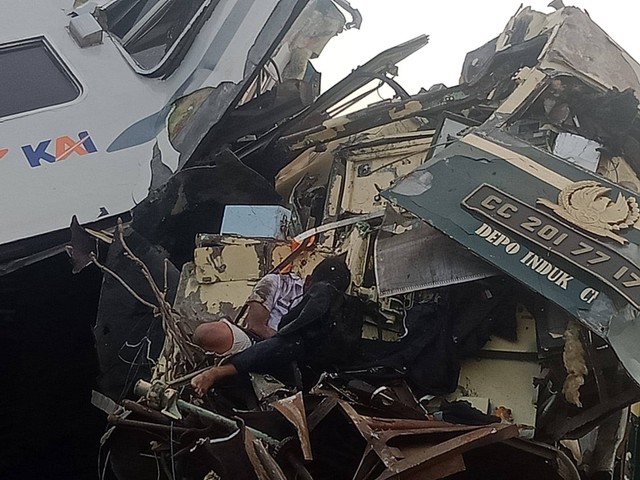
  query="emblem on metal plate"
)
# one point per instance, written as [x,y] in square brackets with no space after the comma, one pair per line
[586,204]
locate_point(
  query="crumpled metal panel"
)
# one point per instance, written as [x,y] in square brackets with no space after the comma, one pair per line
[598,58]
[193,201]
[293,410]
[594,278]
[572,42]
[412,256]
[418,448]
[232,258]
[129,337]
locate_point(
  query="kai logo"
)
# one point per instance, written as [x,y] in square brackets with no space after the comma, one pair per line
[63,146]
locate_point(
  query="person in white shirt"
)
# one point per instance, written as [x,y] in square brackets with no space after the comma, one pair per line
[270,299]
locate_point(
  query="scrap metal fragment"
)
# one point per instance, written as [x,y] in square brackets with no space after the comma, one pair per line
[265,386]
[81,246]
[321,411]
[339,224]
[104,403]
[264,464]
[415,256]
[410,447]
[160,172]
[356,17]
[293,410]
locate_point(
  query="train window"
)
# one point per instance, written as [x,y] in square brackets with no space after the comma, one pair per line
[33,77]
[151,30]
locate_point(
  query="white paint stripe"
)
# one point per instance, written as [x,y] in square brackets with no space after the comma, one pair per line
[522,162]
[518,160]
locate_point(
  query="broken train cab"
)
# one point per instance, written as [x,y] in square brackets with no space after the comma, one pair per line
[495,226]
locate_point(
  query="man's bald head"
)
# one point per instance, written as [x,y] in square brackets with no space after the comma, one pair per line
[212,336]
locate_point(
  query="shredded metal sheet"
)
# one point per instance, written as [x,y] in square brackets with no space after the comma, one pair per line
[421,258]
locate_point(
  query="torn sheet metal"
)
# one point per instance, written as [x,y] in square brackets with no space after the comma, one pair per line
[412,255]
[228,258]
[567,40]
[193,201]
[598,58]
[521,209]
[373,159]
[404,448]
[128,350]
[377,67]
[293,410]
[372,165]
[281,46]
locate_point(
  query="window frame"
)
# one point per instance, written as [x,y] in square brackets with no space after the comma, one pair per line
[60,62]
[162,68]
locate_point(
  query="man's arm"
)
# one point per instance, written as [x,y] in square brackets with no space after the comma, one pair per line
[260,303]
[257,320]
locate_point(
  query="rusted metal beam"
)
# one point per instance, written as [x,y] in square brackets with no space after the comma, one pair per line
[565,428]
[410,448]
[416,460]
[292,408]
[264,465]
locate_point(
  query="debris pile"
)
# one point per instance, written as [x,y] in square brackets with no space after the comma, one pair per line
[492,324]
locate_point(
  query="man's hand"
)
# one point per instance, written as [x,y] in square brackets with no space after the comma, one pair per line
[203,381]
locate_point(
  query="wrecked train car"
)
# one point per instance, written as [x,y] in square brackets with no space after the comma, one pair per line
[489,232]
[472,281]
[490,226]
[133,89]
[108,108]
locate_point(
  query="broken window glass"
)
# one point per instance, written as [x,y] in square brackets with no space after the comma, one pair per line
[149,29]
[595,129]
[33,77]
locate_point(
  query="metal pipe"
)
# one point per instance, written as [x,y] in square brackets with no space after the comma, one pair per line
[187,377]
[340,223]
[123,422]
[145,411]
[224,421]
[143,387]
